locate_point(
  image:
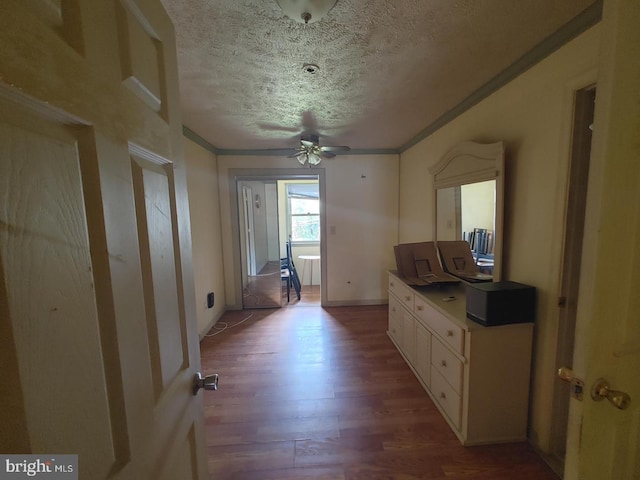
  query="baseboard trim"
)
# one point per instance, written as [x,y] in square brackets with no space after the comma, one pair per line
[355,303]
[210,325]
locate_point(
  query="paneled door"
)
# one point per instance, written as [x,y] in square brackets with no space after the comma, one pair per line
[98,334]
[604,428]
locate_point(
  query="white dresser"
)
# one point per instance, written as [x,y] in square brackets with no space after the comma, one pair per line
[477,376]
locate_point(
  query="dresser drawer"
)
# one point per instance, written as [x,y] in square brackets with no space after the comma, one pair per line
[446,397]
[423,354]
[395,309]
[441,325]
[409,337]
[447,364]
[395,320]
[404,293]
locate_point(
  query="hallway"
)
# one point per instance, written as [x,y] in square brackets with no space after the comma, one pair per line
[312,393]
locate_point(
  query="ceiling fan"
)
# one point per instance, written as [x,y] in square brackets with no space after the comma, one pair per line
[311,153]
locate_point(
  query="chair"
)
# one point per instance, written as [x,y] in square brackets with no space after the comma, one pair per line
[288,272]
[481,241]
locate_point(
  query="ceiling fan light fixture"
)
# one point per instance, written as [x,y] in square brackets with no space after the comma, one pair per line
[314,159]
[306,11]
[311,153]
[302,158]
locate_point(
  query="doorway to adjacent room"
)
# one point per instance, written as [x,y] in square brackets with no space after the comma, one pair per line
[273,208]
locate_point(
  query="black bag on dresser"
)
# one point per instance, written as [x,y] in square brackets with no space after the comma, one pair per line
[501,303]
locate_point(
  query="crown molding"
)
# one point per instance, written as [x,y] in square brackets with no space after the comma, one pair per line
[194,137]
[579,24]
[284,152]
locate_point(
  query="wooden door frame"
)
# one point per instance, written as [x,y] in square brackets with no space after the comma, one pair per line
[248,233]
[577,184]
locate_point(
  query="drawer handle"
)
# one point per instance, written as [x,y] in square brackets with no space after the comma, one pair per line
[419,308]
[449,333]
[393,309]
[407,298]
[442,395]
[392,284]
[443,363]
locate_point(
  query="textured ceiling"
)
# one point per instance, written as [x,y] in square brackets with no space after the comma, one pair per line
[387,68]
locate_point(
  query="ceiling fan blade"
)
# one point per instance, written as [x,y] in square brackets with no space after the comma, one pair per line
[338,148]
[307,143]
[327,154]
[295,153]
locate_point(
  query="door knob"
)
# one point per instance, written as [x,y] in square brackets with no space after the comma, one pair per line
[210,382]
[602,390]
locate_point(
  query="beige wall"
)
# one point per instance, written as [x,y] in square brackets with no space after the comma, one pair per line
[361,208]
[532,115]
[208,270]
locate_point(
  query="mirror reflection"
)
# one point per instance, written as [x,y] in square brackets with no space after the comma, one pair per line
[468,212]
[468,184]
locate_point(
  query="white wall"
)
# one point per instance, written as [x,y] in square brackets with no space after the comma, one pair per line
[362,225]
[271,210]
[361,206]
[533,116]
[205,232]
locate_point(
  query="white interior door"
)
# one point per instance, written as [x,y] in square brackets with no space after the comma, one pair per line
[97,322]
[604,441]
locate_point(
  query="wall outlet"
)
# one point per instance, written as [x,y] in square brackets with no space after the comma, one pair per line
[210,300]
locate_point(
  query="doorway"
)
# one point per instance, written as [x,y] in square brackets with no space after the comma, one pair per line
[584,106]
[263,225]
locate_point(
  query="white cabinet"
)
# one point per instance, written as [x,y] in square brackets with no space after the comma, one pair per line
[409,337]
[477,376]
[422,367]
[395,321]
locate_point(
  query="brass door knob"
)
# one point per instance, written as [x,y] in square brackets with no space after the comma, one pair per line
[602,390]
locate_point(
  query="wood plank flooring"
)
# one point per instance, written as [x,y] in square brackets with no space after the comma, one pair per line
[312,393]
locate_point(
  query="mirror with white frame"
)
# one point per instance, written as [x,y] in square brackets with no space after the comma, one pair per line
[468,184]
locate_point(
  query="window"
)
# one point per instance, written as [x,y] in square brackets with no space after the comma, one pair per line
[304,212]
